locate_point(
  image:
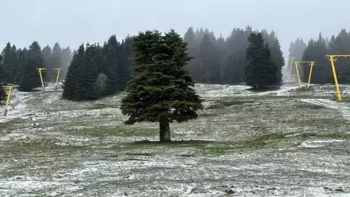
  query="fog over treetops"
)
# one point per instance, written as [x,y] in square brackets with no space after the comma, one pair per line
[71,23]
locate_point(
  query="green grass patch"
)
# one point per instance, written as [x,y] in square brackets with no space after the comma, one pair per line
[309,106]
[44,145]
[262,141]
[227,103]
[335,135]
[5,126]
[103,106]
[305,89]
[345,99]
[329,122]
[120,130]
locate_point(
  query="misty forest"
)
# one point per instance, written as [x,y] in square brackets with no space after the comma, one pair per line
[190,114]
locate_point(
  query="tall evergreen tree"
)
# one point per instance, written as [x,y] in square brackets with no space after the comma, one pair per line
[66,58]
[316,51]
[260,70]
[47,54]
[296,50]
[70,84]
[192,49]
[126,59]
[276,54]
[208,58]
[30,78]
[112,64]
[88,73]
[55,62]
[22,55]
[235,61]
[160,89]
[10,64]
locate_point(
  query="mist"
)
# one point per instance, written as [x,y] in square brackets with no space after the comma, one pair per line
[71,23]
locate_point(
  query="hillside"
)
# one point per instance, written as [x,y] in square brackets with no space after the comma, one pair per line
[281,142]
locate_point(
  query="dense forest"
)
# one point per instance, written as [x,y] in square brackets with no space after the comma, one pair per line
[316,50]
[95,70]
[222,61]
[98,71]
[16,63]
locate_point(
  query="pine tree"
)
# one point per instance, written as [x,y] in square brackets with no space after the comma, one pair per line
[111,68]
[30,78]
[126,59]
[192,49]
[22,55]
[88,73]
[2,90]
[316,51]
[209,64]
[47,54]
[296,51]
[10,64]
[160,88]
[235,61]
[66,58]
[55,62]
[276,54]
[260,70]
[70,84]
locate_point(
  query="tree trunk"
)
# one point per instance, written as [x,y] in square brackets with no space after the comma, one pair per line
[164,130]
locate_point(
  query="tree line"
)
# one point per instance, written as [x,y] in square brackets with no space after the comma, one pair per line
[97,71]
[19,66]
[221,60]
[316,50]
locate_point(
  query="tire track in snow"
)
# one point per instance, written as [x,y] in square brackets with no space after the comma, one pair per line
[342,107]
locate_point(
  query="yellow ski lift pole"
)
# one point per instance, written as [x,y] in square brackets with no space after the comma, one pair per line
[311,63]
[296,63]
[41,77]
[57,77]
[8,99]
[332,59]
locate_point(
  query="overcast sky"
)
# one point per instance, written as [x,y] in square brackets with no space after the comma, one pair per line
[72,22]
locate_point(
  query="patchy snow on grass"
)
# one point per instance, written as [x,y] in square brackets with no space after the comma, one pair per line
[244,143]
[319,143]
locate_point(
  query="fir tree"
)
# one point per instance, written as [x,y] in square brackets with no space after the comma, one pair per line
[2,91]
[22,55]
[47,54]
[66,58]
[10,64]
[126,59]
[260,70]
[111,65]
[87,76]
[209,65]
[70,84]
[30,77]
[55,62]
[160,88]
[192,49]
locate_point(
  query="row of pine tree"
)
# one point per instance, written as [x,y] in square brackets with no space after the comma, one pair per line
[19,66]
[316,50]
[95,71]
[98,71]
[222,61]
